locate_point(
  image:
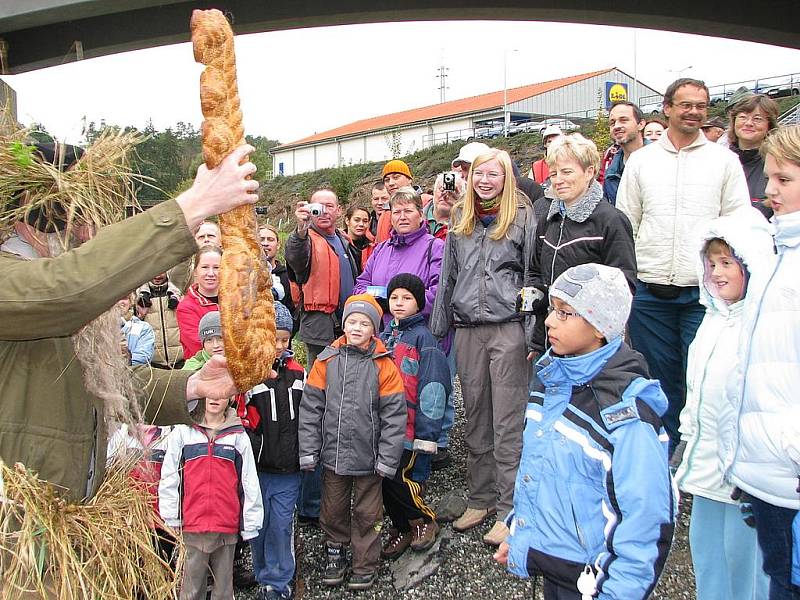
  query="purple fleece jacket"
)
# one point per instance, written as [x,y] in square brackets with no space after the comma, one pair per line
[418,253]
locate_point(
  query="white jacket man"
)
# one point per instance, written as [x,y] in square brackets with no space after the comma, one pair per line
[669,196]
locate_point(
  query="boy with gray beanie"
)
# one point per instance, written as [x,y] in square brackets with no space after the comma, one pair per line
[593,503]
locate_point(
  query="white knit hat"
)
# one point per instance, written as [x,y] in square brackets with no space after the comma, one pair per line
[598,293]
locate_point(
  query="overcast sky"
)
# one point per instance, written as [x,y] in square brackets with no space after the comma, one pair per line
[295,83]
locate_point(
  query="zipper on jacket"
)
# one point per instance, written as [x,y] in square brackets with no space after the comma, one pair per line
[482,283]
[341,405]
[555,250]
[164,333]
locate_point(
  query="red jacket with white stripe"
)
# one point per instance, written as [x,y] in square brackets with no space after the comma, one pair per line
[209,482]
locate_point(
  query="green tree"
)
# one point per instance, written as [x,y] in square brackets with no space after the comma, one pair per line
[601,135]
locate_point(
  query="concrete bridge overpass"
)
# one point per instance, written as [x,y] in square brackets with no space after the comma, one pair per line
[41,33]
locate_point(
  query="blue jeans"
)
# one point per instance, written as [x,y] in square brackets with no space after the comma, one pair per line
[273,549]
[310,493]
[662,331]
[725,553]
[774,529]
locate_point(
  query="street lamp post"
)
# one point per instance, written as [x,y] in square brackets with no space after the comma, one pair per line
[505,90]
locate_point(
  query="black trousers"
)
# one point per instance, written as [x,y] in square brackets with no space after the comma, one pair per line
[402,497]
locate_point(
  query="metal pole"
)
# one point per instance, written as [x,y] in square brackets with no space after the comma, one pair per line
[635,72]
[505,94]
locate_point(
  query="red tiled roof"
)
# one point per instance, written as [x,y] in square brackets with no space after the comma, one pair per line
[444,109]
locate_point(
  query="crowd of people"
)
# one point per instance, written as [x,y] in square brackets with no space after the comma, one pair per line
[618,319]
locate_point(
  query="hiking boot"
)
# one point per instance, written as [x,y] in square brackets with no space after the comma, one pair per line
[397,544]
[472,517]
[441,460]
[497,534]
[424,534]
[335,564]
[362,582]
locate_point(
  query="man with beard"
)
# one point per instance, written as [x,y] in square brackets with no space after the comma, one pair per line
[626,123]
[669,191]
[59,282]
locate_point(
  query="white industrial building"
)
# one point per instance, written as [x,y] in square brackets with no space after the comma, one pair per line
[381,138]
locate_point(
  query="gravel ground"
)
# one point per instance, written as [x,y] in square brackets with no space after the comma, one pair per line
[466,567]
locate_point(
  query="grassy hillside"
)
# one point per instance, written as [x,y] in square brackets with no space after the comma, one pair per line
[353,183]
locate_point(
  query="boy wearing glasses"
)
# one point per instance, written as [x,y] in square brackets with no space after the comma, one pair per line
[593,503]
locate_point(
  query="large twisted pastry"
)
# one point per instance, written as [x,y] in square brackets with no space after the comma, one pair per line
[245,298]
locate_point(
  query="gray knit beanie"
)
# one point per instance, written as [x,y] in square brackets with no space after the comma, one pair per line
[209,326]
[598,293]
[283,318]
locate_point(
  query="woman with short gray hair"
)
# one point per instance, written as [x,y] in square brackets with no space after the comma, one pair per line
[581,227]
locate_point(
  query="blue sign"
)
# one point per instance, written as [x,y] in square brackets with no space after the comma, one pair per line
[615,92]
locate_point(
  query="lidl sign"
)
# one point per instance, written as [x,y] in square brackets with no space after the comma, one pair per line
[615,92]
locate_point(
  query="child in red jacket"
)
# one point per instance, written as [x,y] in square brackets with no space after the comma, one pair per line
[209,490]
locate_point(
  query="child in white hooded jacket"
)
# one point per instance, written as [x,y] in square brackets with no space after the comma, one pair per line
[725,553]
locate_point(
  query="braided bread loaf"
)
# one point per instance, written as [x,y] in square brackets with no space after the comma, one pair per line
[245,298]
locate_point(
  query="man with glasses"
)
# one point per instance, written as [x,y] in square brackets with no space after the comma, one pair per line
[670,190]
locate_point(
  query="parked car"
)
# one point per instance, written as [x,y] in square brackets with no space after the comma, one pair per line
[489,131]
[522,127]
[788,87]
[652,108]
[563,124]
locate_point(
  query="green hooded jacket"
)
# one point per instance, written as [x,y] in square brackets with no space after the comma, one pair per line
[48,420]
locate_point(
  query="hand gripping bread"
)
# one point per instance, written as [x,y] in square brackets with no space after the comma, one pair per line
[245,298]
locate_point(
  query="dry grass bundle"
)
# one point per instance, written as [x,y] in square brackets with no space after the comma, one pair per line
[96,190]
[100,549]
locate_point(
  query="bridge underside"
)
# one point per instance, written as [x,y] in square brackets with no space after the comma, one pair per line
[41,33]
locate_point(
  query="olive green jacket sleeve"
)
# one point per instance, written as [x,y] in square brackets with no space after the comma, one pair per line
[54,297]
[162,394]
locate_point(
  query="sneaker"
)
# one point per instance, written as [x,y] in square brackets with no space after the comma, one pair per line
[424,534]
[397,544]
[335,564]
[267,592]
[497,534]
[472,517]
[441,460]
[362,582]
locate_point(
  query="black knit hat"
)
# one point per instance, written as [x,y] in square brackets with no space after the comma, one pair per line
[409,282]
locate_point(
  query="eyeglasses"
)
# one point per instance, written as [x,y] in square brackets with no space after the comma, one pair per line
[742,118]
[684,106]
[561,315]
[460,164]
[490,176]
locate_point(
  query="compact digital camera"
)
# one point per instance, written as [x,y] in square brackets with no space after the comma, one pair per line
[315,209]
[449,182]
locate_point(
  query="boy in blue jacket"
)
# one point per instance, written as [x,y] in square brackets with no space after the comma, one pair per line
[593,502]
[426,379]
